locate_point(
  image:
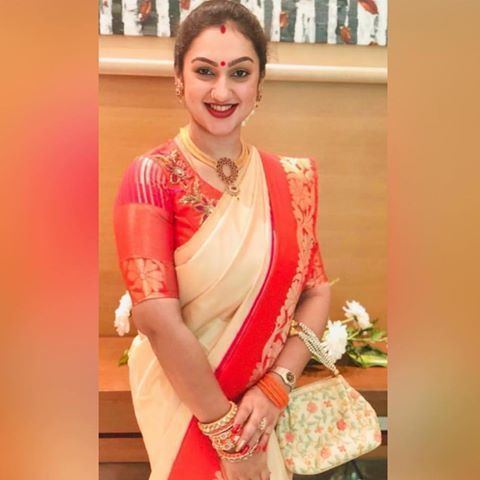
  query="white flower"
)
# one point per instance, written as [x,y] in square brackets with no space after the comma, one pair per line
[355,311]
[122,314]
[335,339]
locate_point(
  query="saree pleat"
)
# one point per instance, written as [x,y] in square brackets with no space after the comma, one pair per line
[219,265]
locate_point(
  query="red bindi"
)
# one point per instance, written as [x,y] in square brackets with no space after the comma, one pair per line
[223,29]
[222,63]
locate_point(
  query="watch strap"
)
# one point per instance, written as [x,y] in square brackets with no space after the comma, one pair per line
[287,376]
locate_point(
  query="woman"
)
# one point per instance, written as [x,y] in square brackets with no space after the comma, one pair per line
[217,246]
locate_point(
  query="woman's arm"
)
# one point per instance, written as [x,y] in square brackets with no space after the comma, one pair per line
[184,361]
[182,358]
[143,211]
[312,310]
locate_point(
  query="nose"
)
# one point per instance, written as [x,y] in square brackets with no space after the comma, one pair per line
[220,91]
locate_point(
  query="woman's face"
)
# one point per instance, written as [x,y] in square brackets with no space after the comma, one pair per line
[220,76]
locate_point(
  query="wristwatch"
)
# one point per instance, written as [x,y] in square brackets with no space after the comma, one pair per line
[288,377]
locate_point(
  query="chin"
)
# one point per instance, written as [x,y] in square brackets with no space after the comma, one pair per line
[220,127]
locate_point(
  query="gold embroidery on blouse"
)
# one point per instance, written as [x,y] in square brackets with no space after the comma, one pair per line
[198,201]
[302,188]
[177,170]
[145,277]
[174,165]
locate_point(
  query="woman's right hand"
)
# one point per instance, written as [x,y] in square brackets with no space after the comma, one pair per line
[253,468]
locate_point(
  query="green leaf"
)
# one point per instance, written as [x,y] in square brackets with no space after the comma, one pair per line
[377,335]
[368,356]
[124,358]
[355,358]
[367,349]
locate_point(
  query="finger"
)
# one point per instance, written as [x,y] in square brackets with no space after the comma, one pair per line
[255,439]
[265,475]
[269,426]
[264,439]
[249,430]
[244,411]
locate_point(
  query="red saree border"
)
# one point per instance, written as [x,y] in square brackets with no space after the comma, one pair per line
[260,322]
[235,370]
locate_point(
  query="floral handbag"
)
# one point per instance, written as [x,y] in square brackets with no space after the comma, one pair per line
[327,423]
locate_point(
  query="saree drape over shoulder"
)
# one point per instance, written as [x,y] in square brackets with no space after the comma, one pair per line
[238,267]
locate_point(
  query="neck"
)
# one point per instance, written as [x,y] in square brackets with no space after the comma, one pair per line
[216,146]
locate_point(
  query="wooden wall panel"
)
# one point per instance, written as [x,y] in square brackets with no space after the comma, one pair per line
[342,125]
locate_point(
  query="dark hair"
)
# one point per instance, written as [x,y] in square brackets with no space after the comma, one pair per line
[218,12]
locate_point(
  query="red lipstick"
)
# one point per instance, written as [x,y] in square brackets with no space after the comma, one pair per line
[218,114]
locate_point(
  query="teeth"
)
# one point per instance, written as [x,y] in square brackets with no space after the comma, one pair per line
[220,108]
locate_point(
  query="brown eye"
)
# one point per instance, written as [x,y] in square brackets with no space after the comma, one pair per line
[204,71]
[241,73]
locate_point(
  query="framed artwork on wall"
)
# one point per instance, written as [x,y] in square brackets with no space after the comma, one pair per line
[355,22]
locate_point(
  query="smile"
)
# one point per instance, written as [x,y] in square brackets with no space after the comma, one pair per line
[221,111]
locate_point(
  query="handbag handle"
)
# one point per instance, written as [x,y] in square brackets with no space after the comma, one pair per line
[314,345]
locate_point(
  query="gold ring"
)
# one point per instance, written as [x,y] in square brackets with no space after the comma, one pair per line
[263,424]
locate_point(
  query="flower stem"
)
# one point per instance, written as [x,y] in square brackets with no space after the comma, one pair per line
[334,281]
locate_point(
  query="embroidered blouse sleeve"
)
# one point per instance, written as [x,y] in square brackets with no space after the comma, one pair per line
[316,274]
[143,225]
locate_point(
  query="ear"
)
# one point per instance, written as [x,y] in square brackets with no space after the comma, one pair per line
[260,84]
[177,76]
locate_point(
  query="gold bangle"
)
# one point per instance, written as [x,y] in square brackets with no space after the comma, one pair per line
[219,425]
[238,456]
[223,441]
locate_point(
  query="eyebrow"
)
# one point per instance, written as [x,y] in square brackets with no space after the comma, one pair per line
[215,64]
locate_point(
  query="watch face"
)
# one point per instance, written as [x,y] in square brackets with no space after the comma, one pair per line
[290,377]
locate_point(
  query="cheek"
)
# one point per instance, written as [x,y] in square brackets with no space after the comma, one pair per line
[193,86]
[195,90]
[249,93]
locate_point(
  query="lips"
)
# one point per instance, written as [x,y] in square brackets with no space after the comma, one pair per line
[223,112]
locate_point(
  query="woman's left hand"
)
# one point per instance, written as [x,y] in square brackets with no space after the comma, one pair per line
[253,408]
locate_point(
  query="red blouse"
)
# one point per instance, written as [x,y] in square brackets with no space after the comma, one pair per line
[160,204]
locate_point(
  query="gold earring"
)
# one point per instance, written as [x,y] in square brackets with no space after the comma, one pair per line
[249,116]
[179,90]
[257,102]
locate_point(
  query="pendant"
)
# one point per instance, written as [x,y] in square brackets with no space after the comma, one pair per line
[233,190]
[227,170]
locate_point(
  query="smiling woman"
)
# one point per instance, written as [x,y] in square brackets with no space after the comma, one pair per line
[217,246]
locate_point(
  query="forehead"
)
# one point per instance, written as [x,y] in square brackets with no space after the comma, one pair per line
[214,44]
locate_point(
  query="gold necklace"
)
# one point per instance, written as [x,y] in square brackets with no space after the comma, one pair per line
[226,168]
